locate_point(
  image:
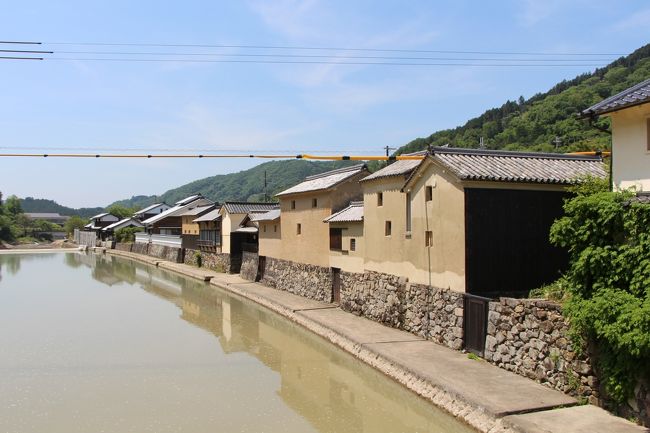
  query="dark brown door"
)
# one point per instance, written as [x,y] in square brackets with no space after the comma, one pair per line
[475,323]
[336,285]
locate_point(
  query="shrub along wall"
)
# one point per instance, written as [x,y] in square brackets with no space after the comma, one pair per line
[432,313]
[314,282]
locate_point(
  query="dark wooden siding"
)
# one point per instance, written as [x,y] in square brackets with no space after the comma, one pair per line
[507,248]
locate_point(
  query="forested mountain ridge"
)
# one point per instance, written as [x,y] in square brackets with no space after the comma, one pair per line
[246,185]
[547,121]
[40,205]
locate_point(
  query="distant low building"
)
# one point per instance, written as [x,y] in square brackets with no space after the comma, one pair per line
[48,216]
[151,211]
[110,230]
[629,112]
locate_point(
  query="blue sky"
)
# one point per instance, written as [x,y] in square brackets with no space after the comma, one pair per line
[292,108]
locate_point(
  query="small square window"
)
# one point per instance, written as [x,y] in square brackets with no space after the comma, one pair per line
[293,204]
[275,228]
[380,199]
[428,238]
[428,193]
[388,228]
[299,229]
[264,229]
[314,202]
[353,244]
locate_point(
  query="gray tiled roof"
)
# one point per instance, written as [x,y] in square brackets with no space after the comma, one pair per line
[352,213]
[522,167]
[196,210]
[45,215]
[246,207]
[148,208]
[271,215]
[325,180]
[398,168]
[213,215]
[635,95]
[123,223]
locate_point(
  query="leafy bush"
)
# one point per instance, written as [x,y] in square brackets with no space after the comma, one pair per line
[126,234]
[608,238]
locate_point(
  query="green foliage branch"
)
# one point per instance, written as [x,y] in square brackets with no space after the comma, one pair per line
[607,235]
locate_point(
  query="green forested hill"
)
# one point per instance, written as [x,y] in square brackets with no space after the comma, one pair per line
[534,124]
[247,185]
[40,205]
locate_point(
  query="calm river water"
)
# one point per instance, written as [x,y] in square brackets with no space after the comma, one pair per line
[100,344]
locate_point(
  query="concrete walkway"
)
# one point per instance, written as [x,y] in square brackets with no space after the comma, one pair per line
[488,398]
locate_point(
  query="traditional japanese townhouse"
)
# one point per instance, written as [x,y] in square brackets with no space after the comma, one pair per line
[346,238]
[109,230]
[209,231]
[305,239]
[165,228]
[270,233]
[238,232]
[478,221]
[629,112]
[98,222]
[189,227]
[151,211]
[300,261]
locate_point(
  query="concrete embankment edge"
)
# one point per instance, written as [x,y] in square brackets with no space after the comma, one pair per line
[464,407]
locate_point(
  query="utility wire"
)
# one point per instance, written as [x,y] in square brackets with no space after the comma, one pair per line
[318,62]
[294,47]
[218,156]
[319,56]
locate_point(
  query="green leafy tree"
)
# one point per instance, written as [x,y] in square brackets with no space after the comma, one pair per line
[74,222]
[120,211]
[12,207]
[607,235]
[126,234]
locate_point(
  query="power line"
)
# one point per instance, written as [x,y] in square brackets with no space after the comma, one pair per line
[141,149]
[296,47]
[217,156]
[314,62]
[20,43]
[319,56]
[20,58]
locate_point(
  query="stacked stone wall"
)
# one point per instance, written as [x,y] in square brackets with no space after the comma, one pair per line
[310,281]
[219,262]
[530,338]
[432,313]
[249,265]
[140,248]
[124,246]
[166,253]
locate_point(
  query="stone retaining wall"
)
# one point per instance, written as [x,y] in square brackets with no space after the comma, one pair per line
[530,338]
[310,281]
[140,248]
[166,253]
[219,262]
[432,313]
[249,265]
[123,246]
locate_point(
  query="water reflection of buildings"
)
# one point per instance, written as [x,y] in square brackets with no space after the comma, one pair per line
[329,388]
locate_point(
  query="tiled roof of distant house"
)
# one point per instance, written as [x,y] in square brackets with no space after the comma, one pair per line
[352,213]
[213,215]
[635,95]
[271,215]
[179,209]
[148,208]
[188,200]
[45,215]
[397,168]
[523,167]
[122,223]
[101,215]
[195,210]
[246,207]
[325,180]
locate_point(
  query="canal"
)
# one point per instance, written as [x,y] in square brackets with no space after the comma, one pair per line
[92,343]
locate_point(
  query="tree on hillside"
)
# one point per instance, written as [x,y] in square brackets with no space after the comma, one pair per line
[74,222]
[121,211]
[12,207]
